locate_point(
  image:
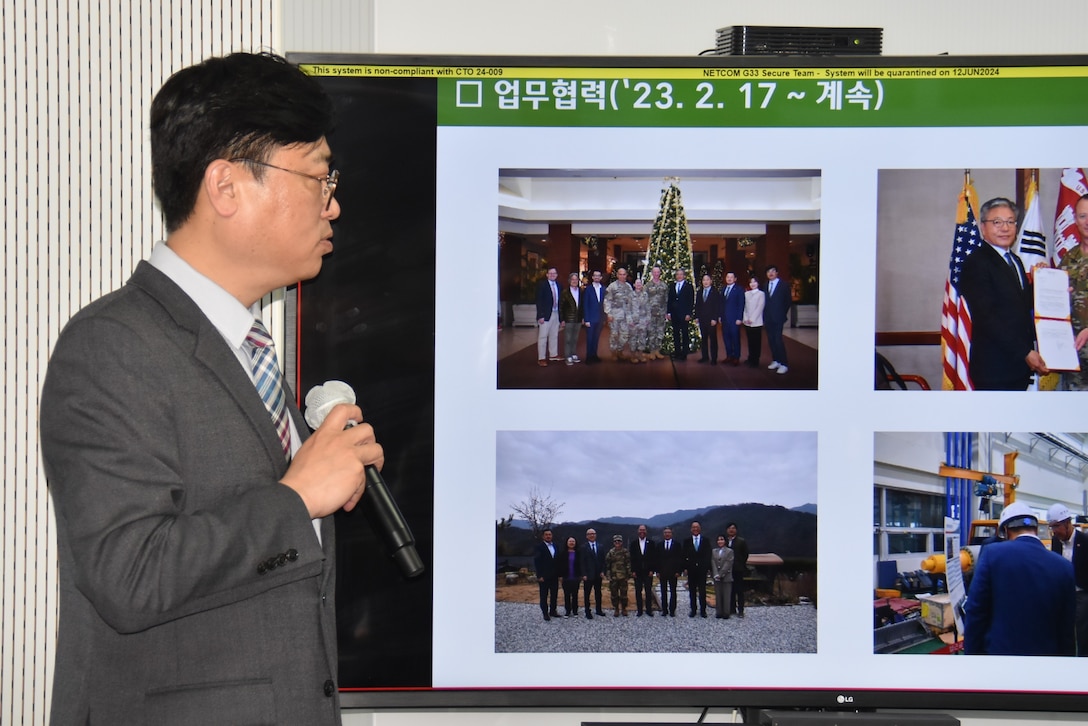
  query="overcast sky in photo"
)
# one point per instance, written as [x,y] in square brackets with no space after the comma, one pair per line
[598,474]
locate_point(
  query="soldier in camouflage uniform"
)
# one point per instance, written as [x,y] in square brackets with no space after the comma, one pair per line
[617,564]
[638,322]
[616,297]
[1075,262]
[658,291]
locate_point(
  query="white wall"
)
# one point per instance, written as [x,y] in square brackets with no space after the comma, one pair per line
[686,27]
[78,212]
[78,215]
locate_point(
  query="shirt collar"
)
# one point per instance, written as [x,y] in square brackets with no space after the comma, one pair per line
[232,319]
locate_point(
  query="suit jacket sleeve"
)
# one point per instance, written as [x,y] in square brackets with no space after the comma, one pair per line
[977,613]
[586,561]
[166,497]
[545,563]
[733,305]
[740,553]
[687,299]
[1000,311]
[709,309]
[543,300]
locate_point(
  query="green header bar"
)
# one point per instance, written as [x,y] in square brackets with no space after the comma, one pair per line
[877,96]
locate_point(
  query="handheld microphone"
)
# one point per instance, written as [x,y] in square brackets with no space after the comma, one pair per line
[378,505]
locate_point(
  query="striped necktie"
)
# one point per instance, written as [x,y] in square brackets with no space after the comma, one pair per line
[266,376]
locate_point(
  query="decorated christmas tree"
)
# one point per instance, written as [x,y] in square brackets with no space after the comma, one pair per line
[670,249]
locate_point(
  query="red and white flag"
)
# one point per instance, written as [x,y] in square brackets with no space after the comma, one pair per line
[1073,187]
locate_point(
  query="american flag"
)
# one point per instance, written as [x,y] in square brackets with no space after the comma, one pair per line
[955,317]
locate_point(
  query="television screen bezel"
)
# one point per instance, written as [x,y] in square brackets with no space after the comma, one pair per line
[726,696]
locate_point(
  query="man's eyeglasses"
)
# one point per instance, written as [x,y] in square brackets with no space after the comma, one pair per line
[1000,223]
[328,183]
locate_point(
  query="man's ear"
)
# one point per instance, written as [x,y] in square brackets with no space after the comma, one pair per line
[221,188]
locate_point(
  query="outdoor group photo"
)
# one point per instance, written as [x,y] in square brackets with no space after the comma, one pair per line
[623,564]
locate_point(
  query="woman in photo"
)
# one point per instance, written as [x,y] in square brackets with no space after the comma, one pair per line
[754,300]
[571,568]
[721,570]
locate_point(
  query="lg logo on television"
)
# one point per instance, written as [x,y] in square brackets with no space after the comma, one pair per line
[845,699]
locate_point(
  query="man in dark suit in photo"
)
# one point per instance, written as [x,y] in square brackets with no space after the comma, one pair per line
[697,564]
[670,563]
[643,564]
[593,568]
[547,574]
[775,314]
[740,568]
[679,307]
[732,317]
[1071,542]
[1022,596]
[708,311]
[995,285]
[593,314]
[194,514]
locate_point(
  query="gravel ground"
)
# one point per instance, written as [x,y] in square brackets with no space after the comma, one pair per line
[770,629]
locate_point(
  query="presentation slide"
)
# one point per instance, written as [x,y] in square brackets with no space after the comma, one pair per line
[847,179]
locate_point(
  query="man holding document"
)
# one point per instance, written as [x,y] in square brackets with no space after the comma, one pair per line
[999,295]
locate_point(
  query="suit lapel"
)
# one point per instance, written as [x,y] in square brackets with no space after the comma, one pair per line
[213,353]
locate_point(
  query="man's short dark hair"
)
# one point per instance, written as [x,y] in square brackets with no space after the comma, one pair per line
[242,105]
[771,267]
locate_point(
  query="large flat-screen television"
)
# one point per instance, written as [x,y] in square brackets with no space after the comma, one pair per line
[507,405]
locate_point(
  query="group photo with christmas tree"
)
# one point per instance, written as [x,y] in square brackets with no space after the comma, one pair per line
[658,279]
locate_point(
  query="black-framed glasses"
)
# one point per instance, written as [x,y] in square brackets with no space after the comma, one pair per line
[328,183]
[1000,223]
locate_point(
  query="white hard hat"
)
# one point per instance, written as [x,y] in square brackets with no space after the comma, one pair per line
[1018,514]
[1058,513]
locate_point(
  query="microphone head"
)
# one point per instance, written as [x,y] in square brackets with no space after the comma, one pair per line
[321,399]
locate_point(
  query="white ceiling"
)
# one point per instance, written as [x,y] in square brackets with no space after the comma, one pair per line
[626,202]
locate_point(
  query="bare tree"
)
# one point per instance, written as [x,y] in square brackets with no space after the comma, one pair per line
[539,510]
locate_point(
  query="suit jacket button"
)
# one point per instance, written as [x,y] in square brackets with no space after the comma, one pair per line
[330,687]
[281,560]
[270,563]
[292,555]
[262,568]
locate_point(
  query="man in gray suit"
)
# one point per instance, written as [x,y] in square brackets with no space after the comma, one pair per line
[194,524]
